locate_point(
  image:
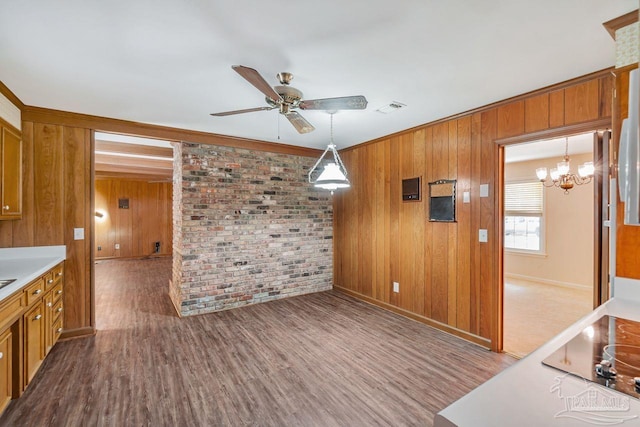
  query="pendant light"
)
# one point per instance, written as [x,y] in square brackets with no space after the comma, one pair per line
[334,175]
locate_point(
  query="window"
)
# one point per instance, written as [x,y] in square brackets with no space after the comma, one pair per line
[523,216]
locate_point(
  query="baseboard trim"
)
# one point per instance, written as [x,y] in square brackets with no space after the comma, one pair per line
[68,334]
[475,339]
[546,281]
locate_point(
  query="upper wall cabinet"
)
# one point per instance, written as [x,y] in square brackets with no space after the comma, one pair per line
[10,174]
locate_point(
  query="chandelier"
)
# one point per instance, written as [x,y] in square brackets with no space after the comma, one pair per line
[334,175]
[561,175]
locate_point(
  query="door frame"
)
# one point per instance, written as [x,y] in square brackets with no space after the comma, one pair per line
[499,146]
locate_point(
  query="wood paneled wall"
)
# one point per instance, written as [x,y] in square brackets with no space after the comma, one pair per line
[136,229]
[56,196]
[447,278]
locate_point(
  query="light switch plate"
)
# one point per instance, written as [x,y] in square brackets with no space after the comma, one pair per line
[484,190]
[396,287]
[483,236]
[78,234]
[466,197]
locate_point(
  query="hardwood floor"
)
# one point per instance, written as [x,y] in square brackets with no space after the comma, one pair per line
[322,359]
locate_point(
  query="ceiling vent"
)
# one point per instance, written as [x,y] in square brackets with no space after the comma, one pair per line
[391,107]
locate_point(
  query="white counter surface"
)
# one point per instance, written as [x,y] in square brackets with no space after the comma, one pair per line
[27,264]
[529,393]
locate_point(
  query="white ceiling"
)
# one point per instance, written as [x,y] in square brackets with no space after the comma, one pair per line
[578,144]
[169,62]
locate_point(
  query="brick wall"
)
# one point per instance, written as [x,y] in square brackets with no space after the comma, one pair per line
[249,228]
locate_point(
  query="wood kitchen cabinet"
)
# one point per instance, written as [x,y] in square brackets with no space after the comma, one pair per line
[30,325]
[34,340]
[6,367]
[10,173]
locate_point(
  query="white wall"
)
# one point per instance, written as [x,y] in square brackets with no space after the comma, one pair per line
[569,228]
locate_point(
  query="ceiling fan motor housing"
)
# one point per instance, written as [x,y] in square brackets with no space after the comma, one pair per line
[290,96]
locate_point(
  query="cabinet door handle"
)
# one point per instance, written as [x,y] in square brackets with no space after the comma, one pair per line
[59,292]
[1,355]
[50,281]
[59,330]
[37,291]
[6,207]
[59,309]
[38,317]
[49,304]
[59,274]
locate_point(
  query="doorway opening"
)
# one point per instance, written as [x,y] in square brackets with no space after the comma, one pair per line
[133,201]
[548,243]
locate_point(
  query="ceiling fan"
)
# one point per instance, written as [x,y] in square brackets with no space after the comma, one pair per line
[287,99]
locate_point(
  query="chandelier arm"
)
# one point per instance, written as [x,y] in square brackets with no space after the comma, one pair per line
[317,163]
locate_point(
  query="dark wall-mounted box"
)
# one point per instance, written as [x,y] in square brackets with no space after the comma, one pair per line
[411,189]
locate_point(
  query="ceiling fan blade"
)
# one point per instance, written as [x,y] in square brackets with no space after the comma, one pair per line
[248,110]
[300,123]
[357,102]
[254,77]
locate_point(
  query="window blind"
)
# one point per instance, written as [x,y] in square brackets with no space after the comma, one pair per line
[523,198]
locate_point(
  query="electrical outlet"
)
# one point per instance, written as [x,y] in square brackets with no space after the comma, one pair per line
[396,287]
[483,236]
[117,245]
[99,247]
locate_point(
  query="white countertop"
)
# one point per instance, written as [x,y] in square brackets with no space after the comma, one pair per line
[529,393]
[27,264]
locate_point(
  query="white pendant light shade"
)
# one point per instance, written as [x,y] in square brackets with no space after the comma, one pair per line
[563,167]
[541,173]
[555,175]
[332,178]
[334,174]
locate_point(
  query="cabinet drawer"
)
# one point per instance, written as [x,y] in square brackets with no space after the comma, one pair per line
[11,308]
[57,309]
[56,330]
[34,291]
[58,273]
[57,292]
[48,280]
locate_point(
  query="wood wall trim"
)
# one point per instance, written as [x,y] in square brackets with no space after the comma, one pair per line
[12,128]
[104,124]
[483,342]
[523,97]
[620,22]
[557,132]
[11,96]
[77,333]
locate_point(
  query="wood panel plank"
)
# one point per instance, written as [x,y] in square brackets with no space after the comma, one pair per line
[476,179]
[405,273]
[510,119]
[428,226]
[487,250]
[463,276]
[607,85]
[556,108]
[452,243]
[395,184]
[387,220]
[48,185]
[440,233]
[536,113]
[75,163]
[581,102]
[381,236]
[419,220]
